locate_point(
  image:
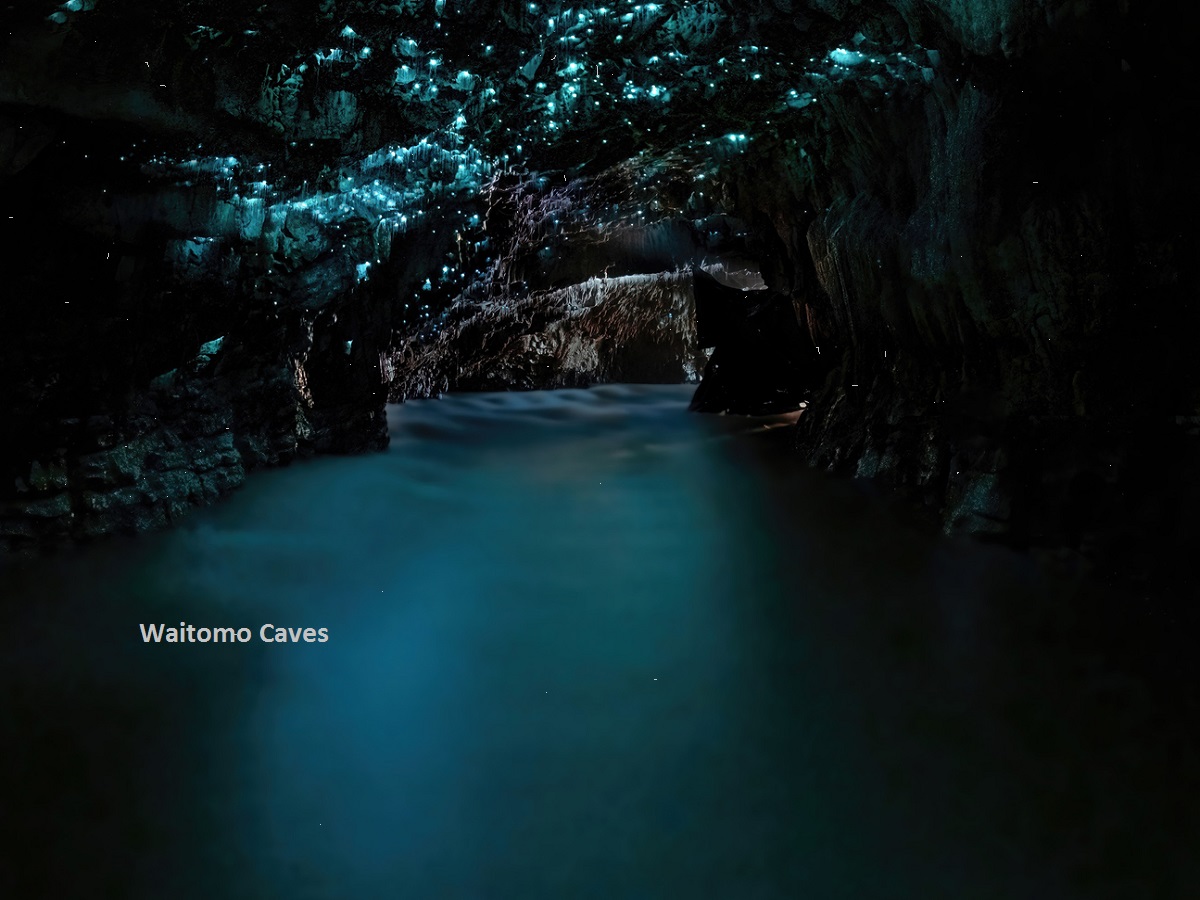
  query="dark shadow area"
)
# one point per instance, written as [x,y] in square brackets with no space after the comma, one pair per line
[763,360]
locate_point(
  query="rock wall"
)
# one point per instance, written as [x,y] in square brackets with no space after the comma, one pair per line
[274,389]
[637,329]
[1006,293]
[572,282]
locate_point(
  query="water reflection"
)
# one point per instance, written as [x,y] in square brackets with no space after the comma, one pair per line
[583,644]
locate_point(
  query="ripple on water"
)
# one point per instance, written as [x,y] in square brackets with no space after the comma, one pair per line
[583,644]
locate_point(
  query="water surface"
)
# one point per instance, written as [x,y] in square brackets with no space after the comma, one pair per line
[582,644]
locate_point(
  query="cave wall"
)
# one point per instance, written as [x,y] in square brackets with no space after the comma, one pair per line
[575,282]
[634,329]
[269,391]
[156,349]
[1002,278]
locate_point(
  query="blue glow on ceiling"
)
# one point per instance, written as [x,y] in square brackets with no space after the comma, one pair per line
[643,83]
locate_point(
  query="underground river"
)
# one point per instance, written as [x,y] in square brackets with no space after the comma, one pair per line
[582,644]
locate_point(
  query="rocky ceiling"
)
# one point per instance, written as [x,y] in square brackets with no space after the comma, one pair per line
[492,84]
[357,122]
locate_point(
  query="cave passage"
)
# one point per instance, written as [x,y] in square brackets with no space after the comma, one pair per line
[582,644]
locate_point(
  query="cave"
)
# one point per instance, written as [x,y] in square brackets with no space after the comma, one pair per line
[700,448]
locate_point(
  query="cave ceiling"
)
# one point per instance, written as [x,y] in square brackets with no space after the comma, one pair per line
[540,85]
[371,117]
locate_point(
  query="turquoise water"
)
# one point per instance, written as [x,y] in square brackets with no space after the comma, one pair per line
[582,644]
